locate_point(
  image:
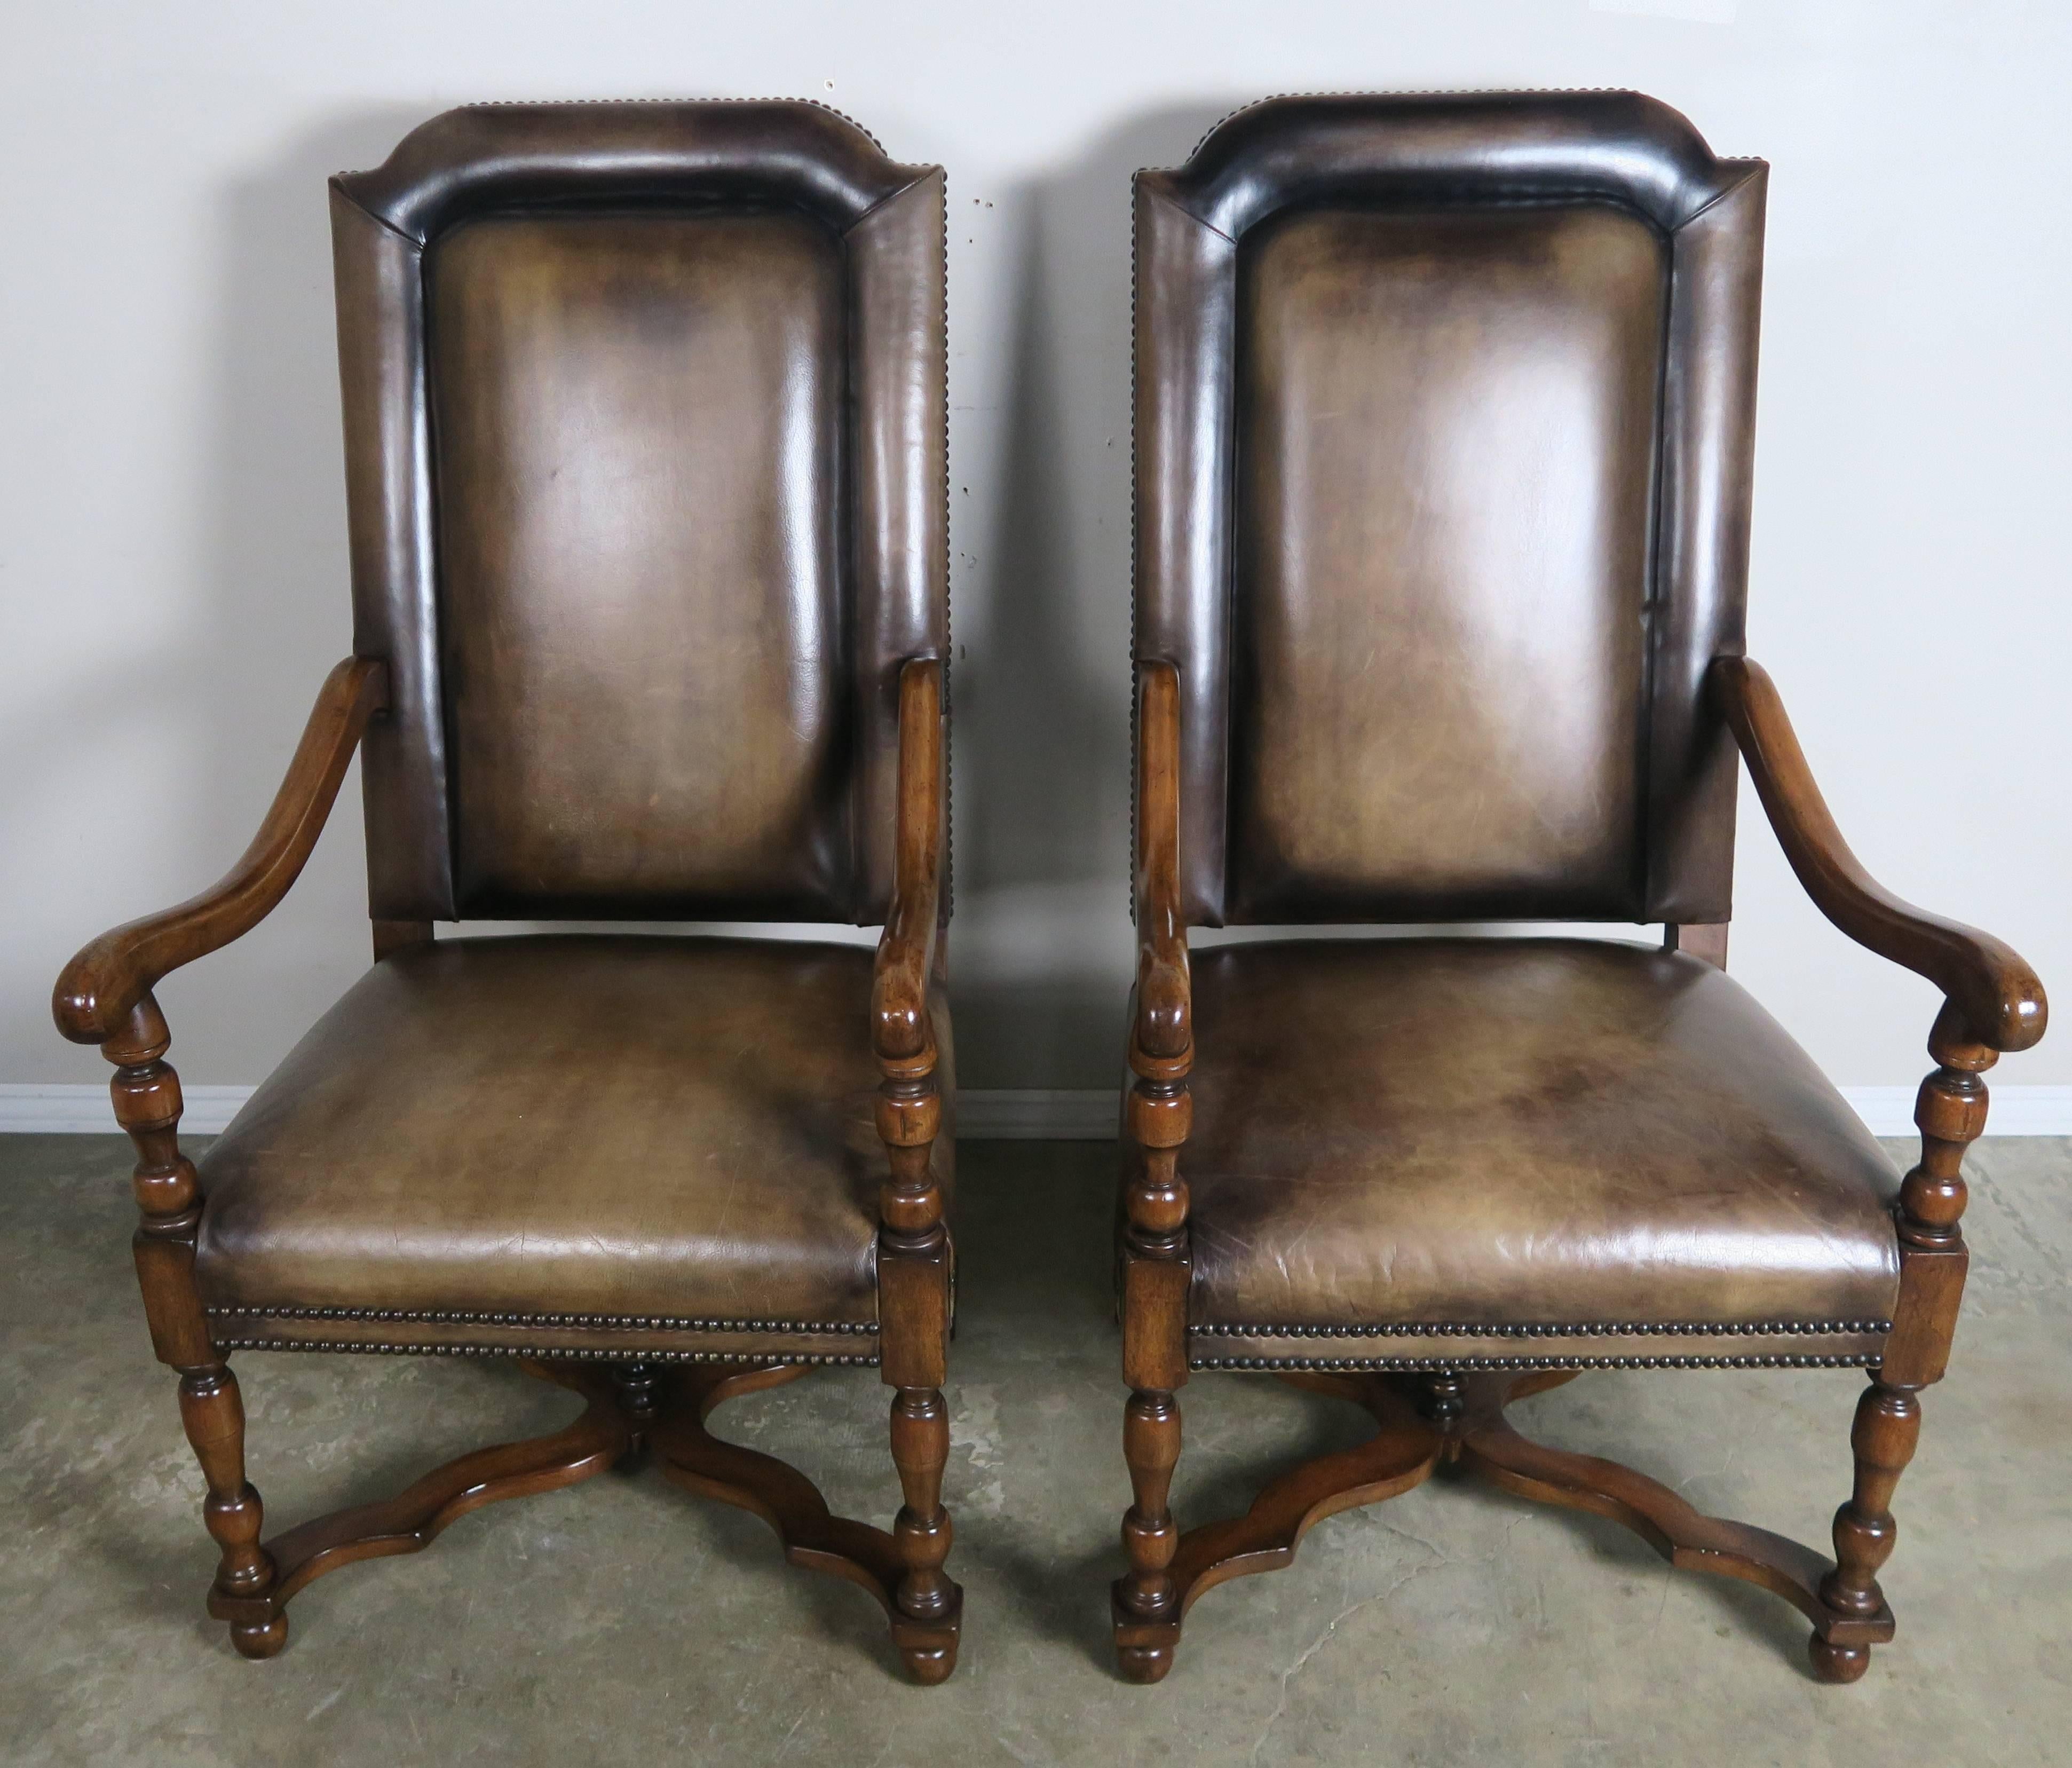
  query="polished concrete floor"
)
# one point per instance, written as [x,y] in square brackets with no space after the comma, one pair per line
[623,1620]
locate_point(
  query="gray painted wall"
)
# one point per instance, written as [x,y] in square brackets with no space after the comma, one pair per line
[172,560]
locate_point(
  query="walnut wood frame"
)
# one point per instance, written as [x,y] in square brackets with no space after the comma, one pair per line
[1993,1003]
[105,996]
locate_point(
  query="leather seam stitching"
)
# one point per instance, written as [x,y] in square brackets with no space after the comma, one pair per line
[926,173]
[387,226]
[1711,203]
[1179,208]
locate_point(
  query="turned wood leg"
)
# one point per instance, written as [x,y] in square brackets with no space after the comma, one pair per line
[1151,1445]
[1157,1271]
[913,1279]
[146,1095]
[213,1412]
[1168,1569]
[892,1567]
[915,1261]
[1950,1114]
[920,1450]
[1887,1427]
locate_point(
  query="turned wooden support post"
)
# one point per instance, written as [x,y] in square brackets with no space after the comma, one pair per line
[921,1450]
[638,1385]
[1156,1269]
[1158,1265]
[914,1252]
[1951,1113]
[212,1411]
[914,1282]
[1443,1401]
[1888,1425]
[147,1092]
[914,1269]
[1151,1445]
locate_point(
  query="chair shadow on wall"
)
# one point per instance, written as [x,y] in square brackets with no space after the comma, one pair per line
[274,564]
[1042,756]
[1042,715]
[223,688]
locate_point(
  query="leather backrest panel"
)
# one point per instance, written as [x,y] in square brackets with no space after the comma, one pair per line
[1443,431]
[1445,454]
[646,458]
[638,425]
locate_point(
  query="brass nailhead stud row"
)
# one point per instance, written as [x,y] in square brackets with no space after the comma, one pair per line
[557,1322]
[1695,1329]
[549,1352]
[1356,1364]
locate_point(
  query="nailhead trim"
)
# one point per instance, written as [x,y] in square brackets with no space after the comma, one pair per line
[584,1322]
[1439,91]
[1611,1329]
[554,1353]
[1866,1360]
[664,104]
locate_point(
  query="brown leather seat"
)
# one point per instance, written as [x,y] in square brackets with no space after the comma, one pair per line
[1413,1140]
[666,1141]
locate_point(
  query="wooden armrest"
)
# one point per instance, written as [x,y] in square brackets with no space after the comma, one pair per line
[100,987]
[1165,992]
[1994,991]
[899,1028]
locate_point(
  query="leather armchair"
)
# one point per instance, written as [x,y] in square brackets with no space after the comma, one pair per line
[645,448]
[1444,416]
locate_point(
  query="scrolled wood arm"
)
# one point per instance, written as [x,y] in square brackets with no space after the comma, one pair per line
[900,1030]
[101,987]
[1989,987]
[1165,992]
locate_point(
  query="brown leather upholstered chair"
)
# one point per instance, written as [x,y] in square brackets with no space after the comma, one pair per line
[1444,423]
[645,412]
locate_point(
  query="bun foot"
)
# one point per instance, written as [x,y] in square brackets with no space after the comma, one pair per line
[928,1649]
[1143,1648]
[260,1640]
[929,1664]
[1144,1664]
[1838,1662]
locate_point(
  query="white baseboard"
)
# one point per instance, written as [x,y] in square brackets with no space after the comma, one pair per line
[1092,1116]
[1012,1114]
[2012,1110]
[1889,1111]
[87,1110]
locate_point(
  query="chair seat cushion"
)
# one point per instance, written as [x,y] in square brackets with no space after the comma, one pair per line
[573,1131]
[1397,1139]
